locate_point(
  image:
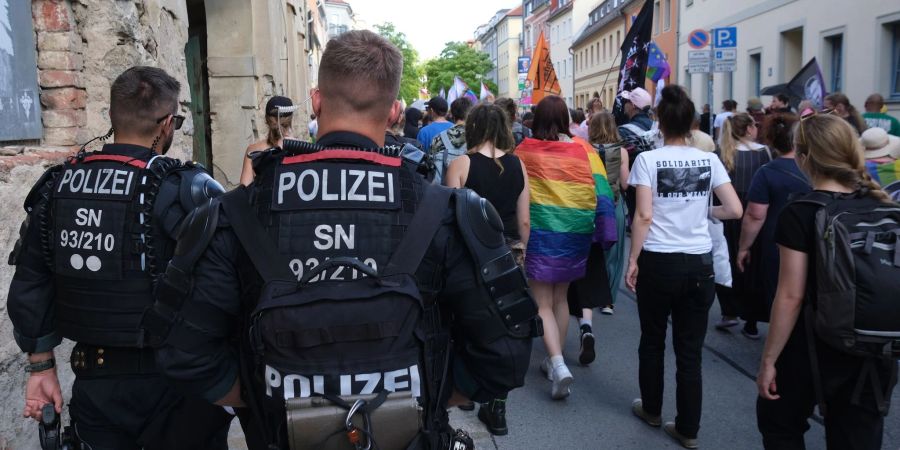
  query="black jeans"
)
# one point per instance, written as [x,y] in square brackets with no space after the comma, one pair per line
[143,411]
[848,426]
[683,286]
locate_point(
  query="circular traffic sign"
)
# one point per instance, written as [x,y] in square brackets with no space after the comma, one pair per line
[698,39]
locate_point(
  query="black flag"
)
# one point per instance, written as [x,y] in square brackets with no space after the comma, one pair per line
[635,50]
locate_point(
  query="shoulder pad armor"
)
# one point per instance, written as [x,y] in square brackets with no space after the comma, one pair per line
[482,231]
[197,187]
[45,182]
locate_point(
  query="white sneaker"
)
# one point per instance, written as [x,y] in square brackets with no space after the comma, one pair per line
[562,379]
[547,368]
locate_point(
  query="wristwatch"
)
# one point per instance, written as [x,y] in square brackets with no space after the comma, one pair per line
[46,364]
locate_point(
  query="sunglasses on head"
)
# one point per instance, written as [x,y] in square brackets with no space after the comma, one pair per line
[177,118]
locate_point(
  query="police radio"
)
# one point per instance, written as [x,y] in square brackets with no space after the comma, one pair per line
[51,433]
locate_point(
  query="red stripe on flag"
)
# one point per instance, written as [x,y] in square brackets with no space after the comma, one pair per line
[344,154]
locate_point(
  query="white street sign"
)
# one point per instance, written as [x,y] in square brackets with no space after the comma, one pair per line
[724,66]
[726,54]
[698,57]
[698,68]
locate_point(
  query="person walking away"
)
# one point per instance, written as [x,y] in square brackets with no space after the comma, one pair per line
[563,210]
[780,104]
[876,117]
[833,331]
[436,112]
[742,156]
[605,137]
[99,232]
[772,185]
[348,284]
[699,138]
[279,125]
[728,109]
[412,123]
[519,131]
[491,170]
[636,133]
[450,143]
[838,103]
[880,149]
[674,277]
[757,112]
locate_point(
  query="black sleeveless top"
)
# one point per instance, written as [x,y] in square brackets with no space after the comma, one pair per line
[502,190]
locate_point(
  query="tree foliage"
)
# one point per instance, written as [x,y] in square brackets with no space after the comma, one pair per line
[458,58]
[412,70]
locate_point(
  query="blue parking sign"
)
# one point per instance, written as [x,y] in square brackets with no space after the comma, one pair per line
[725,37]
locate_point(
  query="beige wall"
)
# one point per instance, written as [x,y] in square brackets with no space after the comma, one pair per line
[597,65]
[509,30]
[763,28]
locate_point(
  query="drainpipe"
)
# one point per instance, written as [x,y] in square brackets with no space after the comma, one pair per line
[574,96]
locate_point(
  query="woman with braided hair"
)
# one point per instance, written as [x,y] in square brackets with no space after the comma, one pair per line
[828,153]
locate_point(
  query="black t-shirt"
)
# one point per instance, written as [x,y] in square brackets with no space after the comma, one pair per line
[501,188]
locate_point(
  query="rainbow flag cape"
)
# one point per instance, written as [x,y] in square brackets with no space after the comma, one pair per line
[605,232]
[563,209]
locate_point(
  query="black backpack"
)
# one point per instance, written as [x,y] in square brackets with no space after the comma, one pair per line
[856,309]
[345,342]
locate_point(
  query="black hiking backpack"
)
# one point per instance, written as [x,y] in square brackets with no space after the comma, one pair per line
[856,308]
[344,355]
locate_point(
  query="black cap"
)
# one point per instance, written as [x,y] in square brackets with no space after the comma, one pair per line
[438,105]
[276,101]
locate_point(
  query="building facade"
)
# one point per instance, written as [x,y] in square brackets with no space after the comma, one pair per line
[230,56]
[339,17]
[596,53]
[776,38]
[559,35]
[488,42]
[509,36]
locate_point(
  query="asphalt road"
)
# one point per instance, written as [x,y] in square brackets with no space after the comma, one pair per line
[598,413]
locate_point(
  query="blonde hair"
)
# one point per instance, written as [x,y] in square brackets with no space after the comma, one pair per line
[733,132]
[277,131]
[602,129]
[832,151]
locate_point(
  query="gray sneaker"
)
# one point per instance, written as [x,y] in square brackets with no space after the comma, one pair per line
[685,442]
[637,407]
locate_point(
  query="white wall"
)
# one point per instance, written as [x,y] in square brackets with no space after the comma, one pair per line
[760,24]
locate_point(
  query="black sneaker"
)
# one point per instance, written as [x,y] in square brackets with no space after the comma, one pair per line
[493,415]
[587,355]
[467,406]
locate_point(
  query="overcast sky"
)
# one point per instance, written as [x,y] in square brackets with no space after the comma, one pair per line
[430,24]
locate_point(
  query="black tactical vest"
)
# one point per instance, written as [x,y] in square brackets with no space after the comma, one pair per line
[100,238]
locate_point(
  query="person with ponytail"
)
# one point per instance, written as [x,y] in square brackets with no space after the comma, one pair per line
[838,103]
[827,151]
[491,170]
[279,126]
[742,156]
[767,197]
[670,267]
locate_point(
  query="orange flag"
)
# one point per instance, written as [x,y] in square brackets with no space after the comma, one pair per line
[541,73]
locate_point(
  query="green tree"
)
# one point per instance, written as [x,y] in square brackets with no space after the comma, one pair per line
[458,58]
[412,70]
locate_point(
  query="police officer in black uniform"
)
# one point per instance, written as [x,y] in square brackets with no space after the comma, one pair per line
[98,230]
[330,213]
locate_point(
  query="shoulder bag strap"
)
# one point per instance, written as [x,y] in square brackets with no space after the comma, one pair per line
[421,231]
[445,138]
[253,237]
